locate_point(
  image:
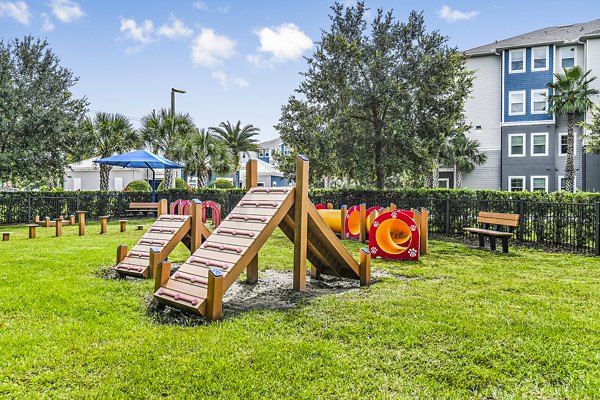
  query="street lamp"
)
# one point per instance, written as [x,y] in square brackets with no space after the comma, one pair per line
[173,91]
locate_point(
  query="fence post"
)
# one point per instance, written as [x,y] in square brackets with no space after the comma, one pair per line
[597,228]
[521,220]
[447,216]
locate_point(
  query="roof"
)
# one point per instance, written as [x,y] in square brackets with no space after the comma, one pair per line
[551,35]
[270,143]
[263,169]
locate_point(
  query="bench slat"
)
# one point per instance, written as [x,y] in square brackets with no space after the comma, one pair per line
[489,232]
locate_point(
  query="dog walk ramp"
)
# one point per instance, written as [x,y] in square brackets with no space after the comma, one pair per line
[164,235]
[229,249]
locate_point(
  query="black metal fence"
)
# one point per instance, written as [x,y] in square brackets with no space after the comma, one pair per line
[552,225]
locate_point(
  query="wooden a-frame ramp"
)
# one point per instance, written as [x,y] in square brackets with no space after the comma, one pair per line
[199,284]
[160,240]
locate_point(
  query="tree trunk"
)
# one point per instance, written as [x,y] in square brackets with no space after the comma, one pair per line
[570,168]
[50,183]
[379,172]
[168,180]
[458,179]
[104,177]
[435,177]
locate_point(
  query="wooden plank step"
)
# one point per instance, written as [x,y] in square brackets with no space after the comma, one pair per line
[233,240]
[144,248]
[216,255]
[186,288]
[279,197]
[136,261]
[254,226]
[263,211]
[168,224]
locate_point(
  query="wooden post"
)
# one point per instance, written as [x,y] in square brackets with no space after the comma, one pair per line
[365,267]
[370,220]
[214,298]
[103,220]
[123,224]
[196,223]
[314,273]
[121,253]
[392,207]
[58,224]
[81,217]
[71,219]
[417,219]
[252,181]
[163,207]
[301,218]
[48,223]
[153,261]
[362,237]
[343,212]
[329,206]
[5,236]
[162,274]
[32,231]
[424,230]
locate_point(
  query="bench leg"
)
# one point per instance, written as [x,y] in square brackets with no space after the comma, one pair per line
[505,245]
[492,243]
[481,240]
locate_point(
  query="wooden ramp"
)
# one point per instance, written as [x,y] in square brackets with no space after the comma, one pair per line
[229,249]
[159,241]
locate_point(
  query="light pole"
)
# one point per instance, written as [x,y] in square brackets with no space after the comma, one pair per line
[173,91]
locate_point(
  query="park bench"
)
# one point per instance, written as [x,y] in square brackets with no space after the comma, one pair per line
[143,207]
[508,222]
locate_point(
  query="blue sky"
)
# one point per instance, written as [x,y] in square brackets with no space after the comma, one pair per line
[237,59]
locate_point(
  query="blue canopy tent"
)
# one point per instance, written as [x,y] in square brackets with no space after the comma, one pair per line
[141,159]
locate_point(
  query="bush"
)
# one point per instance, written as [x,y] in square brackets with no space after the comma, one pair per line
[138,186]
[179,184]
[221,184]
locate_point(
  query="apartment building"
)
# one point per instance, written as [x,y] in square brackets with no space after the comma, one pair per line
[508,109]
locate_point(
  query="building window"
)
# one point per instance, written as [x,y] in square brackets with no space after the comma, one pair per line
[539,101]
[539,58]
[563,146]
[516,183]
[286,150]
[261,184]
[539,183]
[562,183]
[444,183]
[516,146]
[567,57]
[539,144]
[516,102]
[516,61]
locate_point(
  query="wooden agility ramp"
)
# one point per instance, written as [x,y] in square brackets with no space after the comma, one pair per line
[160,240]
[199,284]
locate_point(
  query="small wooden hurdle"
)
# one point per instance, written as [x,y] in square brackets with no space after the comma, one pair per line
[5,236]
[58,225]
[81,218]
[32,230]
[123,224]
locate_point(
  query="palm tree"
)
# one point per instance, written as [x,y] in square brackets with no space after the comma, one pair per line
[106,135]
[204,154]
[571,96]
[237,139]
[163,131]
[465,155]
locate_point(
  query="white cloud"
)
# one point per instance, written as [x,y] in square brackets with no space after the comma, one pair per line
[47,24]
[284,42]
[140,33]
[201,5]
[18,10]
[66,10]
[210,49]
[228,81]
[450,15]
[176,29]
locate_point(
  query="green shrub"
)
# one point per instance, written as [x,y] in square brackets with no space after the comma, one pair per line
[138,186]
[179,184]
[221,184]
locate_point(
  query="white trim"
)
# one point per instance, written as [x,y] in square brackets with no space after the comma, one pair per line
[527,123]
[538,176]
[516,177]
[517,71]
[560,135]
[447,180]
[502,79]
[558,189]
[448,169]
[533,68]
[545,134]
[538,91]
[524,136]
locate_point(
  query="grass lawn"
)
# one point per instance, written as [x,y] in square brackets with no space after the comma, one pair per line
[461,323]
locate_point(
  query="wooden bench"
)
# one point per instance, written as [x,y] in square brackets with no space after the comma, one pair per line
[498,220]
[143,207]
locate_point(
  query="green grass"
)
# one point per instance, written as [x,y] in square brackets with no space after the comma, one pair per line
[461,323]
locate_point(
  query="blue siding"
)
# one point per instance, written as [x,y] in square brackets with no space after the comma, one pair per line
[527,81]
[265,159]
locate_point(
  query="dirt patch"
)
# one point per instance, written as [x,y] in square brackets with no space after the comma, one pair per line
[273,291]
